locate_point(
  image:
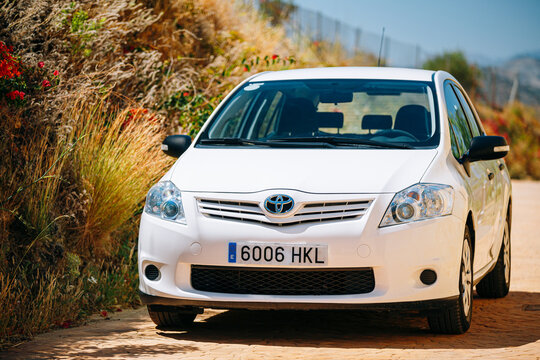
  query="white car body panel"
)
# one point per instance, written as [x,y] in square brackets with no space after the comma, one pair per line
[309,170]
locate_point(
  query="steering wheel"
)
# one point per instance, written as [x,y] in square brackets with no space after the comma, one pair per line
[393,133]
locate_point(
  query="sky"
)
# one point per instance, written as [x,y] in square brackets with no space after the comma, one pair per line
[485,30]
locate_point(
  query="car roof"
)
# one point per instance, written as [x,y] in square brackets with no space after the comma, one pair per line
[349,72]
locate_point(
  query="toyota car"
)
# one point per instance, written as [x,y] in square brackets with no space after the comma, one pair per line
[331,188]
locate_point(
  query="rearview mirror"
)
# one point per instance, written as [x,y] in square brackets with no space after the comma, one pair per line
[175,145]
[487,148]
[335,97]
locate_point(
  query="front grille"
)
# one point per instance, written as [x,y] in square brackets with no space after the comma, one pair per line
[269,281]
[309,212]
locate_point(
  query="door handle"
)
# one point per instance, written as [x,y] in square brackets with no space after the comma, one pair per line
[491,176]
[501,166]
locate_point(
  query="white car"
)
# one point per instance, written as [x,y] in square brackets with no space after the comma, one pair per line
[331,188]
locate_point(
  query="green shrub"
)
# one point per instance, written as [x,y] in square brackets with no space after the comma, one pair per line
[456,64]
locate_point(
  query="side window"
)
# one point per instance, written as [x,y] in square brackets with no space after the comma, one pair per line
[455,149]
[458,121]
[468,111]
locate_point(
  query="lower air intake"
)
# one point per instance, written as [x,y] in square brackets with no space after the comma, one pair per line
[269,281]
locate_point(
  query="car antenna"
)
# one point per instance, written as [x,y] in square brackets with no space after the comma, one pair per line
[380,48]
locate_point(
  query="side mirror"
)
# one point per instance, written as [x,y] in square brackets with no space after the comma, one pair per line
[487,148]
[175,145]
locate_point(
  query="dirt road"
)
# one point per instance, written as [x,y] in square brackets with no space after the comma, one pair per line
[508,328]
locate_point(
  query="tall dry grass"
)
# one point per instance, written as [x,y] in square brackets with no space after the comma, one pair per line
[69,249]
[115,160]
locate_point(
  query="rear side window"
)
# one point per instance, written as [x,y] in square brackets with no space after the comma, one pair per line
[458,122]
[468,111]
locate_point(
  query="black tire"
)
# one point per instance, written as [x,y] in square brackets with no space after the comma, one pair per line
[456,318]
[169,318]
[496,283]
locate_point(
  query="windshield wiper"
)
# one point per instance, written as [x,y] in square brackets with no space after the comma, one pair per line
[336,140]
[270,143]
[232,141]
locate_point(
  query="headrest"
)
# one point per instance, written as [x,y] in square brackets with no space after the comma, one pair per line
[377,122]
[329,119]
[414,119]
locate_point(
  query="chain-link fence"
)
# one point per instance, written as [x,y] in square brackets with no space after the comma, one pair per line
[306,27]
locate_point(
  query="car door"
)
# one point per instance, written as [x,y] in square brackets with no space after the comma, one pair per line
[476,181]
[495,189]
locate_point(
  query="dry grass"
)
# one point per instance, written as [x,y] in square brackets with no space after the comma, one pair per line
[323,53]
[116,159]
[96,176]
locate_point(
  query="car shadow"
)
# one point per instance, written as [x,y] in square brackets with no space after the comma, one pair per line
[497,323]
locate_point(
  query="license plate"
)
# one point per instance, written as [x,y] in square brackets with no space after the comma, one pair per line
[277,254]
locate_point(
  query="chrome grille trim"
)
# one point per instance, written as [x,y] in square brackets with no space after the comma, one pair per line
[306,212]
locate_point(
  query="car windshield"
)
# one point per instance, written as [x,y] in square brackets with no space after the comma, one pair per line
[327,113]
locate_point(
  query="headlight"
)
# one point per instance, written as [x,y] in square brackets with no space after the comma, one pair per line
[419,202]
[164,200]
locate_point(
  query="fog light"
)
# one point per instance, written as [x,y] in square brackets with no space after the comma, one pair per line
[428,277]
[151,272]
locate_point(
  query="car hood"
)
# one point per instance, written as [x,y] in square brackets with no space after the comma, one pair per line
[310,170]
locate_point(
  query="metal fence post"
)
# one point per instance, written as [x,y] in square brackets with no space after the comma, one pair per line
[357,34]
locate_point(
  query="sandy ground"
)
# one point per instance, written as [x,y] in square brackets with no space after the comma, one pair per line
[507,328]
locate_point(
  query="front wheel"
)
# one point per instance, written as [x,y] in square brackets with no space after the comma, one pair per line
[456,318]
[496,284]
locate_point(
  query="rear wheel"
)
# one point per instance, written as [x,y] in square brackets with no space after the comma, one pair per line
[456,318]
[170,317]
[496,284]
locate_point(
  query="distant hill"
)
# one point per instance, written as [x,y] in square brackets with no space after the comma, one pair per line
[498,80]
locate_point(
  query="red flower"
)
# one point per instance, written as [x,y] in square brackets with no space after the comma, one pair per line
[103,313]
[245,68]
[9,65]
[185,94]
[21,95]
[275,56]
[13,95]
[41,64]
[55,73]
[45,83]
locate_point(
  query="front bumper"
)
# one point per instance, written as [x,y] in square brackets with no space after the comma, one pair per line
[397,254]
[256,305]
